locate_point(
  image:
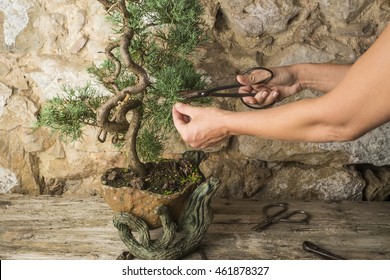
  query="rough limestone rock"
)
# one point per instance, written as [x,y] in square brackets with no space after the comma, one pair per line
[241,177]
[377,181]
[297,53]
[253,18]
[4,96]
[372,148]
[267,180]
[21,163]
[343,11]
[301,182]
[8,180]
[15,19]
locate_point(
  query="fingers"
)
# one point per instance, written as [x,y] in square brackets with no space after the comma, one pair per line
[182,120]
[195,126]
[246,89]
[180,115]
[264,95]
[262,98]
[185,109]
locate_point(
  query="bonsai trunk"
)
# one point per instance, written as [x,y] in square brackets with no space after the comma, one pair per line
[121,103]
[120,124]
[135,164]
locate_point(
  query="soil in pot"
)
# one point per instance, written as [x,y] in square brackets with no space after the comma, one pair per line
[166,177]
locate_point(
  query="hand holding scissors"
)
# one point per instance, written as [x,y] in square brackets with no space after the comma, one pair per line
[264,75]
[280,213]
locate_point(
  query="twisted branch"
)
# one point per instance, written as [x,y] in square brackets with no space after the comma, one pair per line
[118,66]
[120,101]
[143,80]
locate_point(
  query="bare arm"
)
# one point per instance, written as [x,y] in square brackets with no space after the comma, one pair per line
[321,77]
[357,104]
[291,79]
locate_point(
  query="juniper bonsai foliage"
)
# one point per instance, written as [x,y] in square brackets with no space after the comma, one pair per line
[145,66]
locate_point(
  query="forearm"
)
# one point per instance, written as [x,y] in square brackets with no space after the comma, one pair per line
[304,120]
[321,77]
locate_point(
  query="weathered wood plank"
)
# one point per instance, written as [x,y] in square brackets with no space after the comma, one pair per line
[45,227]
[355,230]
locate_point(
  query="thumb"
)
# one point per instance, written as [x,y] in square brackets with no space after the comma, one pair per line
[184,109]
[246,79]
[181,116]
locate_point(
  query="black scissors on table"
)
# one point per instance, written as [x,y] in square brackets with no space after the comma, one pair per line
[266,74]
[320,252]
[278,212]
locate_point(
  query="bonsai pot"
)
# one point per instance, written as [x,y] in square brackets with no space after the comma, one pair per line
[142,203]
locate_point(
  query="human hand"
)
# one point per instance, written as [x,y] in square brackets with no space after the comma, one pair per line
[282,85]
[200,127]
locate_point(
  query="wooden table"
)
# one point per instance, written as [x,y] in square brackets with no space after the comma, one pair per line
[44,227]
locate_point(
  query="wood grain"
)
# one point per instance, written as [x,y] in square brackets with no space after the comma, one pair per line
[44,227]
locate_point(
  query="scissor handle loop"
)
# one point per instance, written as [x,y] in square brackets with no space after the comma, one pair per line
[257,108]
[260,82]
[260,68]
[267,207]
[305,217]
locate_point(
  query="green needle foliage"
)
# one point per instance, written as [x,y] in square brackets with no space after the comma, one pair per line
[67,114]
[163,94]
[165,33]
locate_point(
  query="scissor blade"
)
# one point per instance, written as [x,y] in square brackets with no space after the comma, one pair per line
[190,94]
[199,93]
[263,225]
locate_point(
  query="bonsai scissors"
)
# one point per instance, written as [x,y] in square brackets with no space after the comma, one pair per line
[266,74]
[320,252]
[281,214]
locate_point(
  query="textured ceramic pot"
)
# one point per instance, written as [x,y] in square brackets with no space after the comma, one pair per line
[142,203]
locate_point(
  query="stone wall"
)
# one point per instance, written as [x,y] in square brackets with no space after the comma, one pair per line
[46,44]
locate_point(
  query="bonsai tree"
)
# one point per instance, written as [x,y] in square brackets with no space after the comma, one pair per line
[145,66]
